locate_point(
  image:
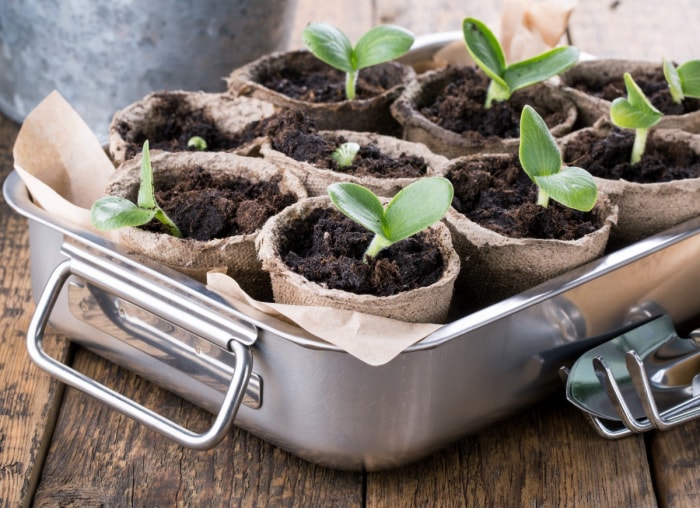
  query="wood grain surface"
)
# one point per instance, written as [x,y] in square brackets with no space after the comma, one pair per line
[545,456]
[28,397]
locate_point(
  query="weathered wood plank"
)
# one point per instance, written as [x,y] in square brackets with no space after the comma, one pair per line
[547,456]
[121,463]
[416,15]
[674,460]
[604,28]
[637,30]
[27,396]
[438,16]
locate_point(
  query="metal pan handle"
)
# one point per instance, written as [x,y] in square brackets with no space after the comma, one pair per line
[185,437]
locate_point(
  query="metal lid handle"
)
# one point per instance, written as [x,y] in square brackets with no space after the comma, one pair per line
[185,437]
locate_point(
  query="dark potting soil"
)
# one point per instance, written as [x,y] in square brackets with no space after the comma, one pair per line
[326,247]
[180,123]
[328,84]
[460,108]
[293,134]
[609,157]
[654,86]
[204,208]
[498,195]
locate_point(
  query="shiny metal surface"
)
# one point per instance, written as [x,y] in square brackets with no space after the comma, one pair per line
[181,306]
[324,405]
[646,378]
[111,324]
[204,440]
[160,344]
[103,55]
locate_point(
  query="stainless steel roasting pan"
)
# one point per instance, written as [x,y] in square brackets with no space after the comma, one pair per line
[311,398]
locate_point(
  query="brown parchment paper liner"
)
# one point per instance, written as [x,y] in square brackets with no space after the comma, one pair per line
[317,179]
[61,161]
[373,339]
[424,304]
[597,74]
[527,28]
[65,169]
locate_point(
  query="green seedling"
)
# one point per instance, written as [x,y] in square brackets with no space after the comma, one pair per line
[487,52]
[635,112]
[114,212]
[345,154]
[684,80]
[197,143]
[413,209]
[380,44]
[541,159]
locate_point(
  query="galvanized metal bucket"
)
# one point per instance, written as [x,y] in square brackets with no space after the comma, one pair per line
[103,55]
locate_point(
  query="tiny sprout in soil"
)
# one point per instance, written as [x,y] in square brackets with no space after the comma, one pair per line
[345,154]
[684,80]
[488,54]
[380,44]
[114,212]
[541,159]
[413,209]
[635,112]
[197,143]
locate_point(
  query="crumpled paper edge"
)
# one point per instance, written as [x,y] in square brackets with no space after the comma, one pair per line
[375,340]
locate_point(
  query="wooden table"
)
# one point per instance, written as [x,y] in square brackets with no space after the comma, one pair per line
[60,448]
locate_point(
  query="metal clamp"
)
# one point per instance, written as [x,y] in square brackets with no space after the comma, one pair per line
[647,378]
[185,437]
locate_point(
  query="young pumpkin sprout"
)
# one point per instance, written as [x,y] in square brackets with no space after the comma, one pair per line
[345,154]
[413,209]
[684,80]
[487,52]
[541,159]
[198,143]
[635,112]
[380,44]
[114,212]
